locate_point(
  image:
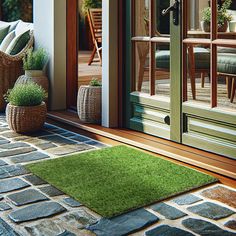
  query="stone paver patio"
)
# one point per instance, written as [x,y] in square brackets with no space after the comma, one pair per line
[30,206]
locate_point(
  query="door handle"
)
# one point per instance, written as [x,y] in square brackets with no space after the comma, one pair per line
[175,9]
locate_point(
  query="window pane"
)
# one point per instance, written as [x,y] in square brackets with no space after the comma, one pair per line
[198,74]
[162,75]
[226,67]
[162,22]
[141,67]
[141,19]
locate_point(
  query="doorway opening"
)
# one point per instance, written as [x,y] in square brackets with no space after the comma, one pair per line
[84,46]
[89,41]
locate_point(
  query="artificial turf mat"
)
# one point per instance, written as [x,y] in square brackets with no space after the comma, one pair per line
[114,180]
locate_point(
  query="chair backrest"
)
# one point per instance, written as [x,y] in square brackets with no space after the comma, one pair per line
[95,22]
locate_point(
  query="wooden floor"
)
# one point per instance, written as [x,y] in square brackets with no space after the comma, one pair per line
[86,72]
[221,167]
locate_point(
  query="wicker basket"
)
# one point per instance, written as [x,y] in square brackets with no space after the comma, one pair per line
[11,67]
[89,104]
[36,76]
[26,119]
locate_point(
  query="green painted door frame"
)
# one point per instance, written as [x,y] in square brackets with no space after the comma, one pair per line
[159,108]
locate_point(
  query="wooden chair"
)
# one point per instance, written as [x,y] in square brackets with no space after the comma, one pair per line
[95,24]
[143,51]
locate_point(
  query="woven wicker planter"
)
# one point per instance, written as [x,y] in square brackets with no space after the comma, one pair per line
[89,104]
[36,76]
[26,119]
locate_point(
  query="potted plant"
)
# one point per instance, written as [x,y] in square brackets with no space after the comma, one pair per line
[87,4]
[223,17]
[34,63]
[89,102]
[26,111]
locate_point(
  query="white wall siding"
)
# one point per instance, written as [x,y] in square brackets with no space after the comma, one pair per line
[50,33]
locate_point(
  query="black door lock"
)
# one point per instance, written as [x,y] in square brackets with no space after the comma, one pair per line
[175,8]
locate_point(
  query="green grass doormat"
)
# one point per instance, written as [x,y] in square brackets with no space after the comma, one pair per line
[115,180]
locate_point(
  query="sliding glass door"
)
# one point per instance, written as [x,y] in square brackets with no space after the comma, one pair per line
[181,72]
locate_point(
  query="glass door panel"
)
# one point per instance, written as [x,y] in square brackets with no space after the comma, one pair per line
[209,69]
[150,94]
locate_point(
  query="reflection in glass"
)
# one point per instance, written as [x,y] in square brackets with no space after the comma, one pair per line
[142,67]
[162,75]
[141,17]
[226,83]
[198,66]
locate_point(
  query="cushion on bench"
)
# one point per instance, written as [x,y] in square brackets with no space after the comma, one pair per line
[202,58]
[3,32]
[226,63]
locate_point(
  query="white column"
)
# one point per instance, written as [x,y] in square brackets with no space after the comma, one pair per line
[110,63]
[50,33]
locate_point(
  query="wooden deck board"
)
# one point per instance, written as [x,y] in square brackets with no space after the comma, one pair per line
[86,72]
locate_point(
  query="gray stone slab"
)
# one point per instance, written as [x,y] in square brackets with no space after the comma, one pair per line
[12,185]
[3,129]
[2,163]
[231,224]
[4,207]
[56,139]
[79,219]
[7,230]
[41,133]
[205,228]
[4,141]
[45,227]
[45,146]
[12,171]
[14,145]
[186,199]
[36,211]
[66,233]
[33,156]
[60,131]
[71,202]
[40,143]
[124,224]
[166,230]
[48,228]
[35,180]
[80,138]
[15,152]
[69,149]
[211,210]
[67,134]
[26,197]
[97,144]
[51,191]
[11,135]
[169,212]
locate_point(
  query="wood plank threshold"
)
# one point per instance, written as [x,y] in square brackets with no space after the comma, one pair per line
[221,167]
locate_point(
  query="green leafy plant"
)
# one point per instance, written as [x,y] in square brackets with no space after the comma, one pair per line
[222,14]
[29,94]
[95,82]
[35,60]
[87,4]
[17,9]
